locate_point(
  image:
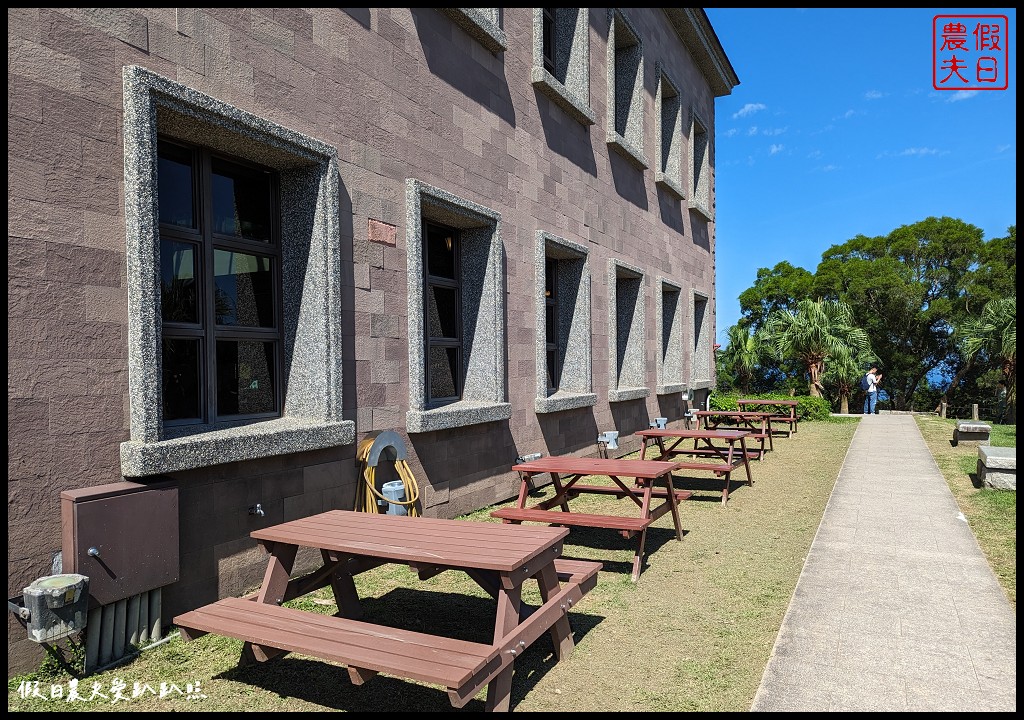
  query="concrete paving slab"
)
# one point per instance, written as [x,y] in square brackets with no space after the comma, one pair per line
[897,608]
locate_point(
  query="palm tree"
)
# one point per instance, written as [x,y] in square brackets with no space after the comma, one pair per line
[818,331]
[742,355]
[994,336]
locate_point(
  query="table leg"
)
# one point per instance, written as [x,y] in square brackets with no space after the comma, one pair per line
[645,512]
[674,505]
[746,461]
[559,491]
[561,633]
[272,591]
[771,443]
[499,690]
[345,595]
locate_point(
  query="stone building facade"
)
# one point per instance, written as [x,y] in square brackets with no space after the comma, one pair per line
[241,240]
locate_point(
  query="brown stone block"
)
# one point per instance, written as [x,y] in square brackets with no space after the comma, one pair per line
[328,475]
[88,413]
[32,298]
[382,232]
[88,266]
[282,484]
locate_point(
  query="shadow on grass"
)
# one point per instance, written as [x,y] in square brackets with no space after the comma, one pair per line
[708,485]
[452,615]
[605,539]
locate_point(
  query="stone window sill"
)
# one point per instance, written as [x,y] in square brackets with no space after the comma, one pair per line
[280,436]
[457,414]
[564,401]
[623,394]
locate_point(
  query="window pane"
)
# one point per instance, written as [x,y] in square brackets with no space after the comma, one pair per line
[551,322]
[552,369]
[441,249]
[174,186]
[550,273]
[241,201]
[244,289]
[181,379]
[442,313]
[245,377]
[444,372]
[178,282]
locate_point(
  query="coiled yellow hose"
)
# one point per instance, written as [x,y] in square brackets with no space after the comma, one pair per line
[367,494]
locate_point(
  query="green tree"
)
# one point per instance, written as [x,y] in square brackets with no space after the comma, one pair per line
[993,336]
[741,355]
[907,290]
[780,288]
[817,331]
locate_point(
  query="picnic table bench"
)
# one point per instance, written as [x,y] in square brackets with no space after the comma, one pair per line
[724,458]
[644,473]
[785,411]
[758,423]
[498,557]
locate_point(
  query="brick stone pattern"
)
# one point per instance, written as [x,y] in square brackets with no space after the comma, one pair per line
[401,93]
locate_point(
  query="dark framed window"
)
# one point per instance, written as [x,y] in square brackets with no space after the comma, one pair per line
[548,36]
[554,364]
[220,287]
[443,308]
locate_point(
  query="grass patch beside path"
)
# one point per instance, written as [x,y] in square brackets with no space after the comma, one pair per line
[992,514]
[694,634]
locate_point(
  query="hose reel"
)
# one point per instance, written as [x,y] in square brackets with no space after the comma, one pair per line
[388,445]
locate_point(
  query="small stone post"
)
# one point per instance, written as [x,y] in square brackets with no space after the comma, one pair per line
[974,411]
[942,409]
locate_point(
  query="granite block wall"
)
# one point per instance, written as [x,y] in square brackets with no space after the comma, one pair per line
[388,95]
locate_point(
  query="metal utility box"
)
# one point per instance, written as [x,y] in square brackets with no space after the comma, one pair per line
[122,536]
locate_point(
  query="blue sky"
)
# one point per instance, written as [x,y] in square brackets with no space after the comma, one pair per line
[835,130]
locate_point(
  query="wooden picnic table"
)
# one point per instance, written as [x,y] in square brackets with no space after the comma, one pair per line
[785,412]
[719,446]
[498,557]
[758,423]
[566,473]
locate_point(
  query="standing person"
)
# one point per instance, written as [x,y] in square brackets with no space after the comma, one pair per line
[878,389]
[870,385]
[1001,402]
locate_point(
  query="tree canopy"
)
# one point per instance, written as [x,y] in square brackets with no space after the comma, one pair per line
[907,290]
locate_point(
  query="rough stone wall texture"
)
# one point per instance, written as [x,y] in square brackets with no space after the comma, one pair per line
[401,94]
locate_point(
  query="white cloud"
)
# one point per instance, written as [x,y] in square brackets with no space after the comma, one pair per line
[748,109]
[770,132]
[873,95]
[1003,148]
[918,151]
[730,132]
[961,95]
[774,148]
[752,130]
[830,168]
[814,154]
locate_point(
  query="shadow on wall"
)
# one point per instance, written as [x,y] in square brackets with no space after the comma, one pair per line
[466,468]
[630,416]
[700,233]
[568,432]
[672,406]
[448,64]
[671,210]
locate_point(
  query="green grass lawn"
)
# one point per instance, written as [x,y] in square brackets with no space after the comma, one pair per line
[992,514]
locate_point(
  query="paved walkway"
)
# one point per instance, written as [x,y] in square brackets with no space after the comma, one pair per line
[896,608]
